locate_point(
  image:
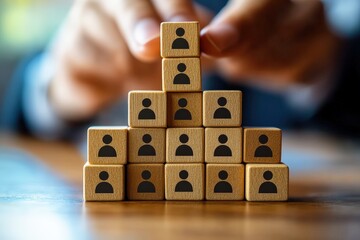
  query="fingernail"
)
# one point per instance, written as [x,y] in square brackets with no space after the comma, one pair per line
[221,37]
[146,30]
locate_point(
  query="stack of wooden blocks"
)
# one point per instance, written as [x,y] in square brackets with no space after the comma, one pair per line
[182,143]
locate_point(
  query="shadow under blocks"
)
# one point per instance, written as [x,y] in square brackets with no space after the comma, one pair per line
[183,143]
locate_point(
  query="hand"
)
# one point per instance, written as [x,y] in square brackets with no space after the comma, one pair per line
[107,48]
[282,41]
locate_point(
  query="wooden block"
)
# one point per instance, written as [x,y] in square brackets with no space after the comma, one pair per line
[103,182]
[223,145]
[222,108]
[184,181]
[184,109]
[147,145]
[262,145]
[266,182]
[181,75]
[145,181]
[107,145]
[147,109]
[225,181]
[180,39]
[185,145]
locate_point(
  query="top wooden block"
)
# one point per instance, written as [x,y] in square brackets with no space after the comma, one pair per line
[180,39]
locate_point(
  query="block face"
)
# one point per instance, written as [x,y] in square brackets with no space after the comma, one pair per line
[184,181]
[267,182]
[180,39]
[225,181]
[185,145]
[184,109]
[147,109]
[146,145]
[103,182]
[107,145]
[145,181]
[222,108]
[262,145]
[181,75]
[223,145]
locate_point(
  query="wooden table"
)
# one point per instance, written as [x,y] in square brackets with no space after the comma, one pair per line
[41,198]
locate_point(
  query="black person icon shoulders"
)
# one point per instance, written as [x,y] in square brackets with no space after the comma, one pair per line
[146,149]
[222,150]
[183,149]
[146,113]
[183,185]
[180,42]
[104,187]
[222,112]
[267,186]
[181,77]
[223,186]
[146,186]
[182,113]
[107,150]
[263,150]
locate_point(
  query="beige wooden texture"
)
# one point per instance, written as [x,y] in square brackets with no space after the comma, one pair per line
[222,108]
[185,145]
[225,181]
[103,182]
[184,181]
[266,182]
[145,182]
[147,109]
[184,109]
[180,39]
[262,145]
[181,75]
[223,145]
[107,145]
[146,145]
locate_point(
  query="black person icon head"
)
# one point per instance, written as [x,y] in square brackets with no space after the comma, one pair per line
[107,150]
[183,149]
[146,113]
[180,42]
[183,186]
[146,186]
[182,113]
[146,149]
[267,186]
[104,187]
[263,150]
[222,112]
[222,150]
[181,78]
[223,186]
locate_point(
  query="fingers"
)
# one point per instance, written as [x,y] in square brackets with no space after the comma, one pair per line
[175,10]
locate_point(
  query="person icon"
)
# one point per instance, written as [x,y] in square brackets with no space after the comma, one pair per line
[107,150]
[222,112]
[223,186]
[146,149]
[183,186]
[180,42]
[263,150]
[181,78]
[182,113]
[146,186]
[184,150]
[268,186]
[104,187]
[146,113]
[222,150]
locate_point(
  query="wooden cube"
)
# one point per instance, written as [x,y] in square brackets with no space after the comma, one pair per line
[184,109]
[262,145]
[107,145]
[266,182]
[184,181]
[222,108]
[225,181]
[147,109]
[181,75]
[103,182]
[180,39]
[185,145]
[146,145]
[145,181]
[223,145]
